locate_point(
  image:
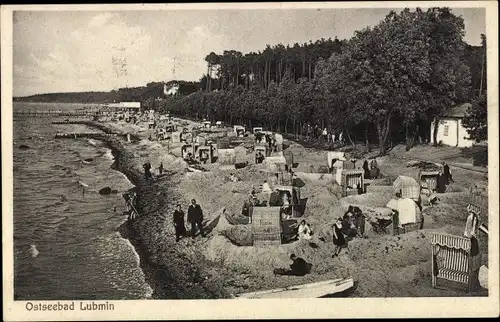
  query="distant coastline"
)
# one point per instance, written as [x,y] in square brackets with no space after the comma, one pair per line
[152,90]
[77,97]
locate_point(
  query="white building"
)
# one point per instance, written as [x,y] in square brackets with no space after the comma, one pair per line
[133,107]
[450,129]
[171,90]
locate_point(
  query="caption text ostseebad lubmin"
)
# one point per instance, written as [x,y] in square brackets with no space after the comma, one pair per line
[82,306]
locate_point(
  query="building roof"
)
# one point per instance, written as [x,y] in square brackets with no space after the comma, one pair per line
[458,111]
[125,105]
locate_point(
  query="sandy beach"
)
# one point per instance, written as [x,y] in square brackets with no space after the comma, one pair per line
[215,267]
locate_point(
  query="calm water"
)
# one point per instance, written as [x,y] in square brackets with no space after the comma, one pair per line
[65,243]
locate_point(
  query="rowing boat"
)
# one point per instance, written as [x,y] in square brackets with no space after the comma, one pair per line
[311,290]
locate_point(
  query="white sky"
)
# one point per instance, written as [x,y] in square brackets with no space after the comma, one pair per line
[81,51]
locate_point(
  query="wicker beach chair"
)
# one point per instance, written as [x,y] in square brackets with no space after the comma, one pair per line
[478,200]
[452,260]
[408,186]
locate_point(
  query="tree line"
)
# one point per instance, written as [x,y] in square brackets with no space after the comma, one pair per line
[144,94]
[386,82]
[232,68]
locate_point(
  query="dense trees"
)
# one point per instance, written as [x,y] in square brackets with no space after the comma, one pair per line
[232,68]
[385,84]
[397,69]
[405,71]
[476,120]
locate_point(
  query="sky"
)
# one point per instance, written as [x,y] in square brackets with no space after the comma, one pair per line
[72,51]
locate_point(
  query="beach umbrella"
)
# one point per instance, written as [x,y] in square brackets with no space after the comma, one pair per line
[408,186]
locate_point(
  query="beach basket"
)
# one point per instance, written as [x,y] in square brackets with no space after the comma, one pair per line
[350,181]
[226,158]
[452,259]
[430,178]
[266,226]
[288,158]
[478,200]
[410,227]
[204,153]
[262,240]
[408,186]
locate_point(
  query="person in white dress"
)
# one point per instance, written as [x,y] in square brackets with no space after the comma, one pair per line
[304,230]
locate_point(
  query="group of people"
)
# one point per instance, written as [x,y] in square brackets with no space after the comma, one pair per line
[259,136]
[282,199]
[352,224]
[330,137]
[194,218]
[148,174]
[270,140]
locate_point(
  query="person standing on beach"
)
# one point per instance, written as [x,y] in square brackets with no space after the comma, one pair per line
[325,135]
[180,229]
[160,168]
[366,169]
[269,143]
[441,182]
[447,174]
[338,237]
[147,170]
[195,218]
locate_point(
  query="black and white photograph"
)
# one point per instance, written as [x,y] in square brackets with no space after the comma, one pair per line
[249,151]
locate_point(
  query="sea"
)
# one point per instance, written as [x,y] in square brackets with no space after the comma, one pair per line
[66,243]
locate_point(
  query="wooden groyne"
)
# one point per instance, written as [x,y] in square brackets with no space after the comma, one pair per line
[108,132]
[91,135]
[71,122]
[55,113]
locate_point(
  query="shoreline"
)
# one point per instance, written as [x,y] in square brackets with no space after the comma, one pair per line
[166,282]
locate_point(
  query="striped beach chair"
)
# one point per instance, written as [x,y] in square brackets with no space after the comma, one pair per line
[452,260]
[408,186]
